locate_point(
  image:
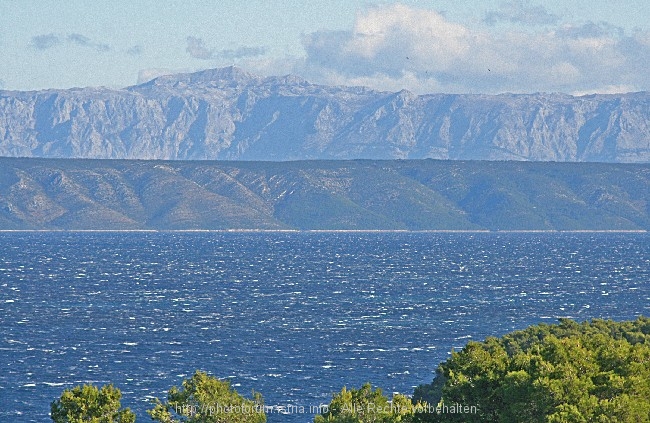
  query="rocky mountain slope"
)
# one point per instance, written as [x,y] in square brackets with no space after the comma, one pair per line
[362,194]
[230,114]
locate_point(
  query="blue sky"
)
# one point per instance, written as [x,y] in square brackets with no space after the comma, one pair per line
[489,46]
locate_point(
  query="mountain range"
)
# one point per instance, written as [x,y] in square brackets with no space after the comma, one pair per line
[229,114]
[348,194]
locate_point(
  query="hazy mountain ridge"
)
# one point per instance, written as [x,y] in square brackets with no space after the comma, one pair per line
[230,114]
[365,194]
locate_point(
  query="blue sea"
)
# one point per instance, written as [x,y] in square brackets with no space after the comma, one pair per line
[293,315]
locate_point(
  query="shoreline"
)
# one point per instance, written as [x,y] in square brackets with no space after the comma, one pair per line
[471,231]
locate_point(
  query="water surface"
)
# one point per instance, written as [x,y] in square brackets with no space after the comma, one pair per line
[293,315]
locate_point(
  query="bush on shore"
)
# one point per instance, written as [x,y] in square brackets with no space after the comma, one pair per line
[597,371]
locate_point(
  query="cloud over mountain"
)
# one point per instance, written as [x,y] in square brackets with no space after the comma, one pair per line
[198,50]
[135,50]
[422,50]
[47,41]
[519,11]
[83,41]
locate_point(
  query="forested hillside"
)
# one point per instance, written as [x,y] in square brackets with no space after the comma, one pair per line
[365,194]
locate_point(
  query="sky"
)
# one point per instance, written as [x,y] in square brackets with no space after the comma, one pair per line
[435,46]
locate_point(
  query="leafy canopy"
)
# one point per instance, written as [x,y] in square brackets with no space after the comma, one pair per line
[365,405]
[596,371]
[88,404]
[206,399]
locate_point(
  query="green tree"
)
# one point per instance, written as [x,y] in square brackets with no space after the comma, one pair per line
[365,405]
[206,399]
[88,404]
[597,371]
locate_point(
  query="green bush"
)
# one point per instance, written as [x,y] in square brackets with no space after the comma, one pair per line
[206,399]
[365,405]
[596,371]
[88,404]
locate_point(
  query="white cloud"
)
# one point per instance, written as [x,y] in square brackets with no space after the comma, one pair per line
[521,12]
[242,52]
[398,46]
[146,75]
[198,50]
[135,50]
[83,41]
[47,41]
[611,89]
[268,65]
[389,41]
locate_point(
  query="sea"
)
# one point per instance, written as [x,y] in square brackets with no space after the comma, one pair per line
[293,315]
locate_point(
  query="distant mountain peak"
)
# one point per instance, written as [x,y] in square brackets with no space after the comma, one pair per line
[230,73]
[228,113]
[213,77]
[289,79]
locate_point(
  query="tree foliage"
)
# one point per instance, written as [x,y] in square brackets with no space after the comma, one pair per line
[206,399]
[596,371]
[88,404]
[365,405]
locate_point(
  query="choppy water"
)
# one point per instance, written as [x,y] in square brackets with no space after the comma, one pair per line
[293,315]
